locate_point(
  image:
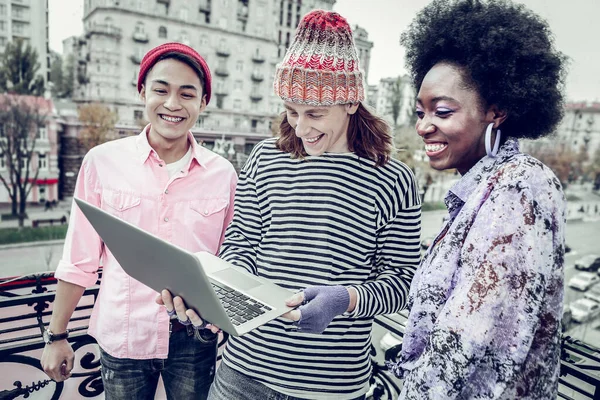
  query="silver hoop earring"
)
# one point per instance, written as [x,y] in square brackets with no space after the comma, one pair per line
[488,141]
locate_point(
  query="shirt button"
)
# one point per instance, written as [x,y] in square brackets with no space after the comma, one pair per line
[166,219]
[205,212]
[167,191]
[160,165]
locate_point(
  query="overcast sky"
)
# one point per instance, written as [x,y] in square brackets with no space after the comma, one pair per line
[574,22]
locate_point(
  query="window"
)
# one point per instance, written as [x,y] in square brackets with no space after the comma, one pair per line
[42,162]
[183,38]
[239,66]
[203,40]
[18,28]
[139,27]
[2,41]
[162,32]
[183,13]
[42,133]
[237,104]
[238,85]
[17,12]
[2,9]
[138,115]
[2,162]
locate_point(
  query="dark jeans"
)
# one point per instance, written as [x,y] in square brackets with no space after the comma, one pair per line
[187,373]
[232,385]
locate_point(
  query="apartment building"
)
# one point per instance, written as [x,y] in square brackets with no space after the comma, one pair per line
[580,127]
[388,91]
[26,20]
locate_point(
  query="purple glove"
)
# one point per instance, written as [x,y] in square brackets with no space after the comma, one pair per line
[322,304]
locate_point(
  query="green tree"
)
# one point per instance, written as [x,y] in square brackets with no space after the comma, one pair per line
[68,77]
[56,75]
[19,68]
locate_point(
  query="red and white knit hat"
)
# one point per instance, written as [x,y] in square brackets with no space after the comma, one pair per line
[321,66]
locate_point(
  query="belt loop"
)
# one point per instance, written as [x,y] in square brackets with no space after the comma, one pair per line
[170,328]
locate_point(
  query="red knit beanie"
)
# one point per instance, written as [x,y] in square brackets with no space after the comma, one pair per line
[153,55]
[321,66]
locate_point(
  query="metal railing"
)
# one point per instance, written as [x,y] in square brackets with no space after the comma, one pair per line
[25,309]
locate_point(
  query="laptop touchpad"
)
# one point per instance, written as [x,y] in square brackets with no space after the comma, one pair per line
[236,279]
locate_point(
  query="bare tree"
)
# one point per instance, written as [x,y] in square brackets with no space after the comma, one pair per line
[21,118]
[99,122]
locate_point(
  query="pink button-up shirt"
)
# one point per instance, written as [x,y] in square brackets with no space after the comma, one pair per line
[191,209]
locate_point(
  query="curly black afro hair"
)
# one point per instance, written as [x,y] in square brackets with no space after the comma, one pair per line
[506,53]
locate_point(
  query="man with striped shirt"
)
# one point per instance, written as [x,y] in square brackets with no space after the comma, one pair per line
[323,211]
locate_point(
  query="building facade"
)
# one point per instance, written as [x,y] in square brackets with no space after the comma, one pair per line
[393,90]
[580,127]
[26,20]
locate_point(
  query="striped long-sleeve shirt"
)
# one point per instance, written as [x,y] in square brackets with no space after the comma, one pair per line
[335,219]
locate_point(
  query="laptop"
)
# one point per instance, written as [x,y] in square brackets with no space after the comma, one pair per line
[227,296]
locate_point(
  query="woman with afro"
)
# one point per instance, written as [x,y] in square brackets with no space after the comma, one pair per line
[486,303]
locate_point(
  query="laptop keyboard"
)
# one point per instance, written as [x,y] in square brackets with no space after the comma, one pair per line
[239,307]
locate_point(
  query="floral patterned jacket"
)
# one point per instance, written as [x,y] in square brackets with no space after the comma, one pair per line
[486,303]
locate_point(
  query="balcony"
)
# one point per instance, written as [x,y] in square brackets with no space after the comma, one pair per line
[136,58]
[204,6]
[221,91]
[103,29]
[257,76]
[141,37]
[242,13]
[258,58]
[256,96]
[25,309]
[223,51]
[221,71]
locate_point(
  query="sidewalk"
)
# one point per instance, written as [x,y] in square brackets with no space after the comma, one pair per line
[35,212]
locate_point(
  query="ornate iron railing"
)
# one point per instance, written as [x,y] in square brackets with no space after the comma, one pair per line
[26,306]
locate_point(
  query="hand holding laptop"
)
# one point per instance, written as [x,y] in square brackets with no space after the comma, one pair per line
[178,305]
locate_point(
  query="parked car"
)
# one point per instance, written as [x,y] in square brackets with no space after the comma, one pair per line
[389,340]
[584,310]
[567,318]
[591,263]
[425,243]
[593,293]
[584,280]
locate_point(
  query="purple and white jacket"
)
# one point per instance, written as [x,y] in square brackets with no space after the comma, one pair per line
[486,303]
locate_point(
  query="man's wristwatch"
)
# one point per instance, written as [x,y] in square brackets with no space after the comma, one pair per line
[50,337]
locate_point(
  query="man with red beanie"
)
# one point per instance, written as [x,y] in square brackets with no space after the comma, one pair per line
[164,182]
[322,210]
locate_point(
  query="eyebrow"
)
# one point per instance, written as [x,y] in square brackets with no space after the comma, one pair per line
[439,98]
[310,110]
[160,81]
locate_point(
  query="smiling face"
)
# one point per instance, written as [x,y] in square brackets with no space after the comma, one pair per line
[321,129]
[174,99]
[451,119]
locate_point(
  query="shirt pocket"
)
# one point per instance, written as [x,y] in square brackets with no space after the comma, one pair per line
[123,205]
[206,217]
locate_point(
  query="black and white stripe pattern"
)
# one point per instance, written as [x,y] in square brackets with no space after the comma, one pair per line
[329,220]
